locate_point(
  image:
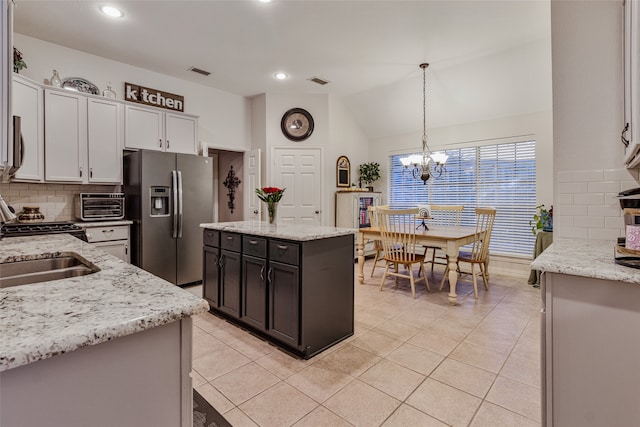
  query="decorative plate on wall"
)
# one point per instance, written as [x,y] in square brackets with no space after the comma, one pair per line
[80,85]
[297,124]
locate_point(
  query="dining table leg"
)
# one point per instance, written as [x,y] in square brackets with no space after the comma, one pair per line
[452,256]
[360,247]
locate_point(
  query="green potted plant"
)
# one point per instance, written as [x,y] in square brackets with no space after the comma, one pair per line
[542,219]
[369,173]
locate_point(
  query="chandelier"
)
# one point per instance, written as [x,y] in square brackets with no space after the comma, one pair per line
[426,164]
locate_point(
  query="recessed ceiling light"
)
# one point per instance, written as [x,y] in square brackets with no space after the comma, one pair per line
[280,76]
[264,1]
[112,11]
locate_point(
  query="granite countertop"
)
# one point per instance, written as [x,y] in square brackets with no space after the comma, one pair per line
[42,320]
[584,258]
[299,232]
[91,224]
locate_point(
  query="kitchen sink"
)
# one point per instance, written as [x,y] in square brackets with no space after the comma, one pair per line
[43,270]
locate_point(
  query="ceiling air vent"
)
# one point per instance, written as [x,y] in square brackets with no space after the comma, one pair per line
[318,80]
[199,71]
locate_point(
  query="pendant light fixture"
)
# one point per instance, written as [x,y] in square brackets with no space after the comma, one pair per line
[426,164]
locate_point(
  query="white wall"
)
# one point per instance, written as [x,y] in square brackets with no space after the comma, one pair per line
[335,132]
[524,127]
[224,117]
[588,118]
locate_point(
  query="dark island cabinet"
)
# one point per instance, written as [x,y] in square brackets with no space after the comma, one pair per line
[296,294]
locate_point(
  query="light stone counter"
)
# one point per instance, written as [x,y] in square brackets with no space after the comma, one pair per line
[586,259]
[42,320]
[298,232]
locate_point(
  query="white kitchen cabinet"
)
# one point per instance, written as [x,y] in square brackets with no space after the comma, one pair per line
[105,133]
[590,349]
[352,211]
[153,129]
[181,133]
[631,130]
[27,102]
[113,239]
[83,138]
[65,136]
[6,64]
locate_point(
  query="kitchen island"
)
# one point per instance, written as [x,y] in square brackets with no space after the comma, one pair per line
[290,284]
[104,349]
[590,339]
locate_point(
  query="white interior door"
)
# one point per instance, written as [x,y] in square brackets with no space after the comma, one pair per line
[299,171]
[252,205]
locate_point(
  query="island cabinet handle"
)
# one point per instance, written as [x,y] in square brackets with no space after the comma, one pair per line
[269,275]
[253,242]
[262,271]
[221,261]
[108,231]
[283,247]
[229,238]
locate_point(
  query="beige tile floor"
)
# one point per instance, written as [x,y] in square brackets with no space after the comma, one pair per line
[412,362]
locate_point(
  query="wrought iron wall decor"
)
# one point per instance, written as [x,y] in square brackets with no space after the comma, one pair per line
[231,182]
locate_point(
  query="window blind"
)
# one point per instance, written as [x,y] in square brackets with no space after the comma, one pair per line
[500,175]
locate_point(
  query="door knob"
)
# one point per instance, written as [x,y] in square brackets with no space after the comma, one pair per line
[255,212]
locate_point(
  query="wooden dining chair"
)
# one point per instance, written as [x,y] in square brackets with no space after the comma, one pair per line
[377,244]
[448,215]
[398,233]
[479,251]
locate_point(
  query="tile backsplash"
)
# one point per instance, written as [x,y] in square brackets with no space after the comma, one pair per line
[56,201]
[586,206]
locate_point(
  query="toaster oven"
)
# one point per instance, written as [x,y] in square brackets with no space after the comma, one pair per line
[100,206]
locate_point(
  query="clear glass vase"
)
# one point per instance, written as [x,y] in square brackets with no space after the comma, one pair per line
[272,211]
[55,79]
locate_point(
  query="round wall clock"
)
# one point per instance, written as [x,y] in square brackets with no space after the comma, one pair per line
[297,124]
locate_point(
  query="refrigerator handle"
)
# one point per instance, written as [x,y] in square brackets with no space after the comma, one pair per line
[174,186]
[180,212]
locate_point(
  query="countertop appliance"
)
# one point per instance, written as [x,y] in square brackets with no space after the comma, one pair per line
[40,228]
[168,196]
[100,206]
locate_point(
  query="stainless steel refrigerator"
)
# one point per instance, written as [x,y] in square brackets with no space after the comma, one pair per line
[168,196]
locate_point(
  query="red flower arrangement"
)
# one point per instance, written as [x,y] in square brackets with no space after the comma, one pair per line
[270,194]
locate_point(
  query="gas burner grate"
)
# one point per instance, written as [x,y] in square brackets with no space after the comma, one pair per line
[41,228]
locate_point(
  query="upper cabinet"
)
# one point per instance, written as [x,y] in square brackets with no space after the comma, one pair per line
[631,130]
[27,104]
[104,133]
[65,136]
[153,129]
[83,138]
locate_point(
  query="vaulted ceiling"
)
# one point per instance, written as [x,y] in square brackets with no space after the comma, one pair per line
[488,59]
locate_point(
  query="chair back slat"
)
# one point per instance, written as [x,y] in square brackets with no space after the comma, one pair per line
[485,218]
[397,230]
[449,215]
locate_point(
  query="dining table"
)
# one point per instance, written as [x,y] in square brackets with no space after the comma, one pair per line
[448,238]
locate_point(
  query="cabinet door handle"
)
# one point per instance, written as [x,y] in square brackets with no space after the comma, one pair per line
[283,247]
[255,212]
[253,242]
[108,231]
[80,172]
[90,172]
[126,249]
[269,275]
[167,144]
[160,141]
[261,273]
[221,261]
